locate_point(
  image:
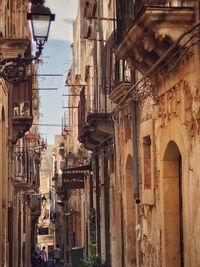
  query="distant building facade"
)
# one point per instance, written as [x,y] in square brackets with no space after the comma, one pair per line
[46,228]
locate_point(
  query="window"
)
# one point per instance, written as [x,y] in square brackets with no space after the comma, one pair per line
[147,148]
[147,162]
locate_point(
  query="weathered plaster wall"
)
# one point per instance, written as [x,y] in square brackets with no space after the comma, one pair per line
[176,117]
[122,204]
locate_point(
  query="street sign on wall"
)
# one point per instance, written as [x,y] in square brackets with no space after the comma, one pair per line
[73,180]
[43,231]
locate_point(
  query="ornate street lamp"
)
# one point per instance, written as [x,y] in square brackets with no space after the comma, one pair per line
[41,19]
[14,69]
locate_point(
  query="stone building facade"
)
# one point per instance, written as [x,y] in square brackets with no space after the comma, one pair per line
[139,118]
[167,135]
[20,153]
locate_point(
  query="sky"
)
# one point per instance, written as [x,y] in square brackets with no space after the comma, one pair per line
[56,59]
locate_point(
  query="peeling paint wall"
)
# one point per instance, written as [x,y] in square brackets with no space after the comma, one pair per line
[176,117]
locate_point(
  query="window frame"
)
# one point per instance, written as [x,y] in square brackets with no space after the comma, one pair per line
[147,129]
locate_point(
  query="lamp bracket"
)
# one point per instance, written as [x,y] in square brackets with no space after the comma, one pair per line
[13,70]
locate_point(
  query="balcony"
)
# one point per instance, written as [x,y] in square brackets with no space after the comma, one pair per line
[35,204]
[122,81]
[90,9]
[153,32]
[97,130]
[25,168]
[21,109]
[119,91]
[93,127]
[125,12]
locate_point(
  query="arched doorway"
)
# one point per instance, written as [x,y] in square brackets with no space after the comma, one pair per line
[172,206]
[129,216]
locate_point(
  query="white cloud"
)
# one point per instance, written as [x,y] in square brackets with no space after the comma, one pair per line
[65,11]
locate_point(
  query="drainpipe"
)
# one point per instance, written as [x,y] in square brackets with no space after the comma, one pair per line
[91,192]
[138,235]
[135,150]
[107,208]
[118,255]
[66,228]
[135,172]
[98,205]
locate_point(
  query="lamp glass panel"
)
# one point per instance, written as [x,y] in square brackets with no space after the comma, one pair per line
[40,26]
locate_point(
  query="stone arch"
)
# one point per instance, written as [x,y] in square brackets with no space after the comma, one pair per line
[173,246]
[129,215]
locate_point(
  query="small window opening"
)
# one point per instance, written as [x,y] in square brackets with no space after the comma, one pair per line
[147,162]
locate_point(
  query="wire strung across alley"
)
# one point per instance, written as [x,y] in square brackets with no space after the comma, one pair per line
[54,125]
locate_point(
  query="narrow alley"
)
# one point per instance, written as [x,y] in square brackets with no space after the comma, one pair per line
[118,185]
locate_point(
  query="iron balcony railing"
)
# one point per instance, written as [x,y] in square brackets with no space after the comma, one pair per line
[81,111]
[90,8]
[20,108]
[22,99]
[107,63]
[175,3]
[35,203]
[114,70]
[122,73]
[84,111]
[26,163]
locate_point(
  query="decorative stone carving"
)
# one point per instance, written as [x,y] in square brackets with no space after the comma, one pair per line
[191,106]
[169,106]
[152,34]
[187,107]
[181,101]
[22,46]
[147,109]
[196,107]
